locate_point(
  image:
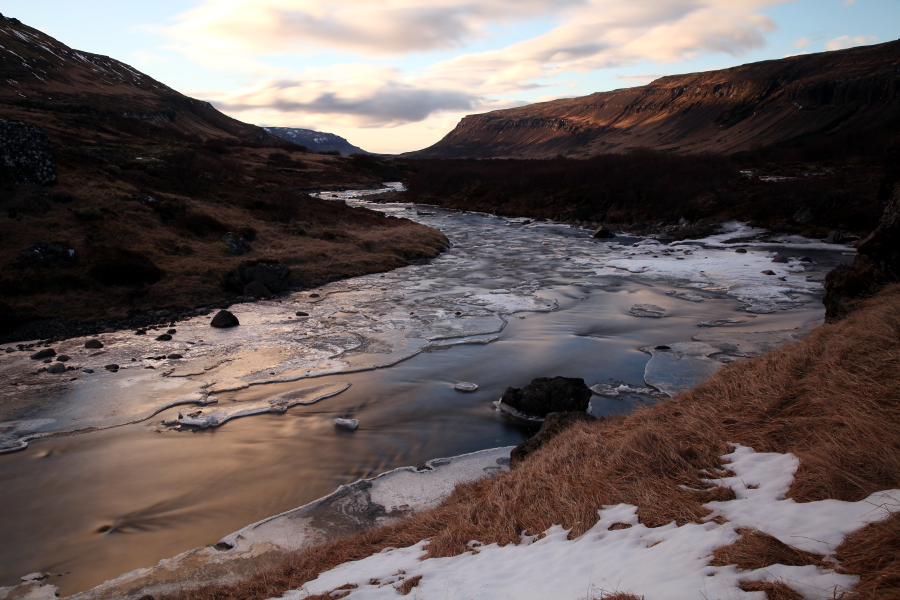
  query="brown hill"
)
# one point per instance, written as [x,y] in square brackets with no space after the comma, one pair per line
[44,75]
[119,195]
[727,111]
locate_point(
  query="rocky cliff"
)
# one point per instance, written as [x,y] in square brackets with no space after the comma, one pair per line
[731,110]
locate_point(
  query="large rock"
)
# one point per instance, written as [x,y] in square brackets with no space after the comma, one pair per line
[603,232]
[272,274]
[47,253]
[546,395]
[553,425]
[25,155]
[236,244]
[224,319]
[876,264]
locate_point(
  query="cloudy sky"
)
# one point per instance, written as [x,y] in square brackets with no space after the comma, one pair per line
[397,75]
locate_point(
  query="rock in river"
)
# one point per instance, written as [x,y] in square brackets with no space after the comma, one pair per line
[647,310]
[545,395]
[224,319]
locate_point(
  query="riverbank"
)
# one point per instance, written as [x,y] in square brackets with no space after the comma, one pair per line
[829,400]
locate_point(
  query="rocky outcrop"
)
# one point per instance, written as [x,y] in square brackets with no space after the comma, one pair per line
[546,395]
[876,264]
[717,111]
[273,276]
[25,155]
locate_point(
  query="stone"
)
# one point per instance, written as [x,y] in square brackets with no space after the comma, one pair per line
[780,258]
[45,353]
[741,251]
[768,272]
[174,356]
[88,371]
[163,338]
[465,386]
[553,425]
[171,331]
[346,423]
[257,290]
[62,358]
[224,319]
[806,259]
[545,395]
[804,216]
[47,253]
[272,274]
[834,237]
[140,332]
[57,368]
[314,295]
[300,313]
[112,367]
[93,344]
[25,154]
[603,232]
[236,244]
[647,310]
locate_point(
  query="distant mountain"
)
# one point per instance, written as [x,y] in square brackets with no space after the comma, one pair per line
[791,100]
[318,141]
[44,76]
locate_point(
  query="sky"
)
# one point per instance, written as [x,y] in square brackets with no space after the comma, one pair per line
[397,75]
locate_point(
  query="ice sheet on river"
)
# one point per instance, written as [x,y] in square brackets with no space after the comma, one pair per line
[495,268]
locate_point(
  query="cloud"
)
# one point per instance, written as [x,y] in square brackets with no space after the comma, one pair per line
[846,41]
[371,27]
[576,36]
[362,97]
[801,43]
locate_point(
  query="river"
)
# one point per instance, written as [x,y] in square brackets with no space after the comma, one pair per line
[511,300]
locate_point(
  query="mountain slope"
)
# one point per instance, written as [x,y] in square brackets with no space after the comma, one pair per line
[727,111]
[43,74]
[319,141]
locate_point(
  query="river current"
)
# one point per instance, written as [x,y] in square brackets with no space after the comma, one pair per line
[511,300]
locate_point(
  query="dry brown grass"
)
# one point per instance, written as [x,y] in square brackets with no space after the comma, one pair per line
[758,550]
[182,232]
[873,554]
[774,590]
[831,399]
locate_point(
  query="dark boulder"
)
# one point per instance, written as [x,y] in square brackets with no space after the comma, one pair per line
[272,274]
[120,266]
[257,290]
[236,244]
[834,237]
[25,155]
[780,258]
[46,253]
[45,353]
[224,319]
[877,263]
[545,395]
[553,425]
[163,338]
[93,344]
[603,232]
[56,368]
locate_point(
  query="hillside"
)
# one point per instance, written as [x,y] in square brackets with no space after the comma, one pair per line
[121,195]
[794,99]
[318,141]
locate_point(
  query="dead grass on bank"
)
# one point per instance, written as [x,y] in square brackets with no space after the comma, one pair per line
[831,399]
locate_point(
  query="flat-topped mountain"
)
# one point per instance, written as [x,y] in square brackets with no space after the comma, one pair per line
[318,141]
[742,108]
[43,75]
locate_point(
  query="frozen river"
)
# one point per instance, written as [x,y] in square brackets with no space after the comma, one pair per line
[509,301]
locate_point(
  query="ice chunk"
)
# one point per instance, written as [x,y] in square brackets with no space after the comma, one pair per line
[465,386]
[347,423]
[647,310]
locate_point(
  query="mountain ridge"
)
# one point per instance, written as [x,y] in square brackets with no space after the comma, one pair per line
[318,141]
[723,111]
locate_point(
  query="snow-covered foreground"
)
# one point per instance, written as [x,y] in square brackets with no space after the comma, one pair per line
[663,562]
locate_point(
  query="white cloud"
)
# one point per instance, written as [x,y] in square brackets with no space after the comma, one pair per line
[801,43]
[579,36]
[846,41]
[849,2]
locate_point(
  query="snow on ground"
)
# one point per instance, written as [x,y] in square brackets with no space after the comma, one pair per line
[662,562]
